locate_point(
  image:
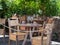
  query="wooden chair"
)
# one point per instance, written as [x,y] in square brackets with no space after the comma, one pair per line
[39,39]
[15,34]
[2,28]
[14,16]
[23,19]
[45,37]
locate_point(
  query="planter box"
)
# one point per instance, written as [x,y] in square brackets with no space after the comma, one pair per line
[37,40]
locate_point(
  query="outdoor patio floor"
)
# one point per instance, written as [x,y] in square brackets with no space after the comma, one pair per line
[20,42]
[12,42]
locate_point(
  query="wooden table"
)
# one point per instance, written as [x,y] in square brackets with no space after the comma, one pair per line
[30,31]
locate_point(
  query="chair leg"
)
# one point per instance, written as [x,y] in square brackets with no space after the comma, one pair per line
[4,36]
[31,37]
[3,39]
[42,38]
[16,40]
[9,42]
[25,39]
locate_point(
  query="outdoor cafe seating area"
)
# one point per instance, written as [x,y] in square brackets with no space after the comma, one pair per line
[34,29]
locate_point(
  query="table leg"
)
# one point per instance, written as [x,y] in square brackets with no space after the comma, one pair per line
[25,40]
[31,37]
[42,38]
[4,35]
[31,34]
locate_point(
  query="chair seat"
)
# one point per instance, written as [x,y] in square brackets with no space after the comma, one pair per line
[37,40]
[13,36]
[39,37]
[18,33]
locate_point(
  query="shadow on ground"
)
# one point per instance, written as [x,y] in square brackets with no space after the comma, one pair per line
[12,42]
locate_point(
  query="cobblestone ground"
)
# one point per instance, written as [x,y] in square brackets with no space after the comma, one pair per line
[14,43]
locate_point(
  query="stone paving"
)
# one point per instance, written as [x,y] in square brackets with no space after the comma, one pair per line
[20,42]
[12,42]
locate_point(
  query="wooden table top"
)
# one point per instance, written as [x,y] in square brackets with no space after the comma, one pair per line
[30,25]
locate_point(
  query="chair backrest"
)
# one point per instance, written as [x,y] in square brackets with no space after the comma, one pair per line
[23,18]
[13,22]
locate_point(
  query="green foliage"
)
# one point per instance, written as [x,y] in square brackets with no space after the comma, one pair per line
[58,5]
[29,7]
[4,9]
[49,7]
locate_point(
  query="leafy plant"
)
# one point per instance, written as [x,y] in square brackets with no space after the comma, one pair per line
[29,7]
